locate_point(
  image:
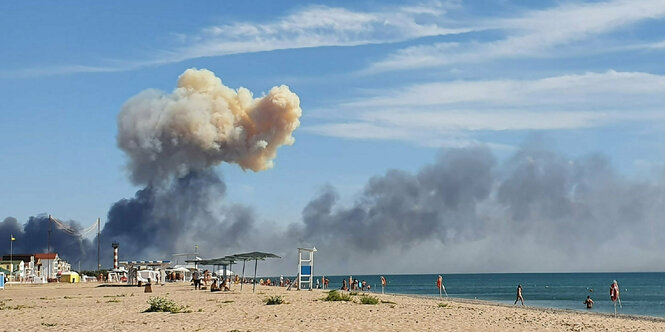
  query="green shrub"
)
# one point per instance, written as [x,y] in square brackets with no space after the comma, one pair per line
[353,293]
[162,304]
[334,295]
[368,299]
[271,300]
[443,305]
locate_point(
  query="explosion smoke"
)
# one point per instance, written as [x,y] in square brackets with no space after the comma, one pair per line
[203,123]
[484,215]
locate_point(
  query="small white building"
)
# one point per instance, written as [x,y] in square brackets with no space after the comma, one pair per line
[50,265]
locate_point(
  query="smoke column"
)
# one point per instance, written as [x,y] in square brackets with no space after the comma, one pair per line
[203,123]
[536,211]
[173,141]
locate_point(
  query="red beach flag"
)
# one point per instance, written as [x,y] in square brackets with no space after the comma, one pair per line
[614,291]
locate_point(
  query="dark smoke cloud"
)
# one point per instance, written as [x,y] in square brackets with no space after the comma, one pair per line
[32,238]
[535,211]
[400,209]
[160,221]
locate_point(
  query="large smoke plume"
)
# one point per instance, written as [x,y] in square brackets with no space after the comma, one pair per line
[203,123]
[466,212]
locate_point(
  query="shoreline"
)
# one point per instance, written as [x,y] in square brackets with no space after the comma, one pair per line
[527,307]
[78,306]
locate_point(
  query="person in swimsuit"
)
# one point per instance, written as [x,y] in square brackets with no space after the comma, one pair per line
[519,295]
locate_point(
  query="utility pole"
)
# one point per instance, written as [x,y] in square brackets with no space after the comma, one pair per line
[11,256]
[48,250]
[99,266]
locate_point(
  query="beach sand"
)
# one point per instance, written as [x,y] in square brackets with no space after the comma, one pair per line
[86,306]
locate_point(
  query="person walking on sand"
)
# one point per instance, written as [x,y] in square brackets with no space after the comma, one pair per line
[588,302]
[519,295]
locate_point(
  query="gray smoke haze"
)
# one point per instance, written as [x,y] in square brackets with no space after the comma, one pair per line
[537,211]
[466,212]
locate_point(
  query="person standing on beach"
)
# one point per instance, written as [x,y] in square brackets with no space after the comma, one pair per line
[588,302]
[519,295]
[197,280]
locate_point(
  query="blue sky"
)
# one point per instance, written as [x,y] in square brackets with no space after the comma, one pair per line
[382,85]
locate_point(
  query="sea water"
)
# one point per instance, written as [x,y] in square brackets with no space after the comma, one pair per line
[641,293]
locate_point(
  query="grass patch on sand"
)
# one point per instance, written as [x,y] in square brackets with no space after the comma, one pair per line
[4,306]
[334,295]
[49,324]
[162,304]
[119,295]
[442,305]
[388,302]
[368,299]
[353,293]
[113,300]
[272,300]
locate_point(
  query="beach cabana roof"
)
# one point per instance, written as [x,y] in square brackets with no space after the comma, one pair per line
[226,260]
[255,255]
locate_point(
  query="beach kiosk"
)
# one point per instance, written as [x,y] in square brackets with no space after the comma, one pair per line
[306,267]
[70,277]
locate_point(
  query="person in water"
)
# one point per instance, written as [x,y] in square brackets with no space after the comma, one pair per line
[519,295]
[588,302]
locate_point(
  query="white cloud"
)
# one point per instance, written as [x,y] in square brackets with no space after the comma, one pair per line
[534,34]
[445,111]
[591,89]
[317,26]
[312,26]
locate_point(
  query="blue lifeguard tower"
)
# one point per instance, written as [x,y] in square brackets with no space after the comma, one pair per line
[306,268]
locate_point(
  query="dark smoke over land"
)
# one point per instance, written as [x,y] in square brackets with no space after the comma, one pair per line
[536,211]
[466,212]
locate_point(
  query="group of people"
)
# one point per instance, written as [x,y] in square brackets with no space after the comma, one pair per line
[324,283]
[355,284]
[217,283]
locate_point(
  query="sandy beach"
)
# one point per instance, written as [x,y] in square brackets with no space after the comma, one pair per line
[87,306]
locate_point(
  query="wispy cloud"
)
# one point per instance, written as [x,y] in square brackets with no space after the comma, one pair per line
[534,34]
[312,26]
[455,110]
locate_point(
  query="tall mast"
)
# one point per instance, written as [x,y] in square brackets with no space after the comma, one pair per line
[99,266]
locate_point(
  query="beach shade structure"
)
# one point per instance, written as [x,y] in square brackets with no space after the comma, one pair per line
[256,256]
[224,262]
